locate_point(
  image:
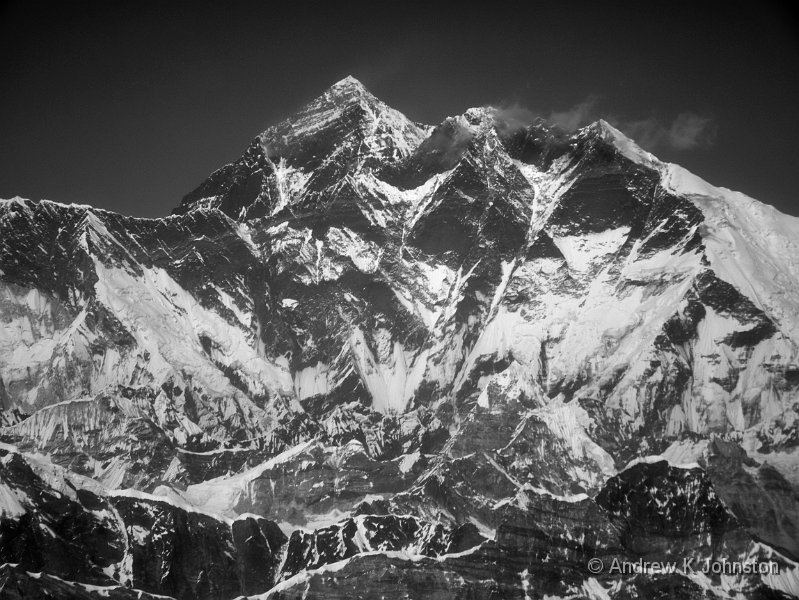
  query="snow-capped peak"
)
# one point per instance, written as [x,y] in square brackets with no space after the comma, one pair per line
[348,91]
[622,143]
[350,83]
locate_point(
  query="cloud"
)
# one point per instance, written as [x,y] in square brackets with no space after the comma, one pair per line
[449,142]
[515,116]
[687,131]
[577,116]
[691,131]
[508,118]
[648,133]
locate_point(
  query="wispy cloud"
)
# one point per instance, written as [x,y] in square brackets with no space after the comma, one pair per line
[687,131]
[577,116]
[513,116]
[449,142]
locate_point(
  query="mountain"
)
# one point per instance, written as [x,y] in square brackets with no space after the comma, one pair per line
[373,358]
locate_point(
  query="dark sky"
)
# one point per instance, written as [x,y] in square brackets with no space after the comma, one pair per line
[130,106]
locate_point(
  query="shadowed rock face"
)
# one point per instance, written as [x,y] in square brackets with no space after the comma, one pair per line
[373,358]
[76,531]
[17,584]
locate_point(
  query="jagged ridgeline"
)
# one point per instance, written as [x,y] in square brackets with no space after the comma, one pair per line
[378,359]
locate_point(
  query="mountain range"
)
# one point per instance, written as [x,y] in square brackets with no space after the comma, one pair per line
[373,358]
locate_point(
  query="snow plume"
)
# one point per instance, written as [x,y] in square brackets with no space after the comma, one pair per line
[449,141]
[511,117]
[689,131]
[577,116]
[686,132]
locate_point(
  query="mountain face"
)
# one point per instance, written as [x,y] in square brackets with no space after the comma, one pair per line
[372,358]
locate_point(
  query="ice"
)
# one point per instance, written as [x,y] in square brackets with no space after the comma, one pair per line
[11,502]
[656,458]
[787,578]
[625,145]
[391,382]
[170,497]
[594,590]
[407,462]
[686,453]
[584,250]
[168,323]
[221,495]
[313,380]
[750,245]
